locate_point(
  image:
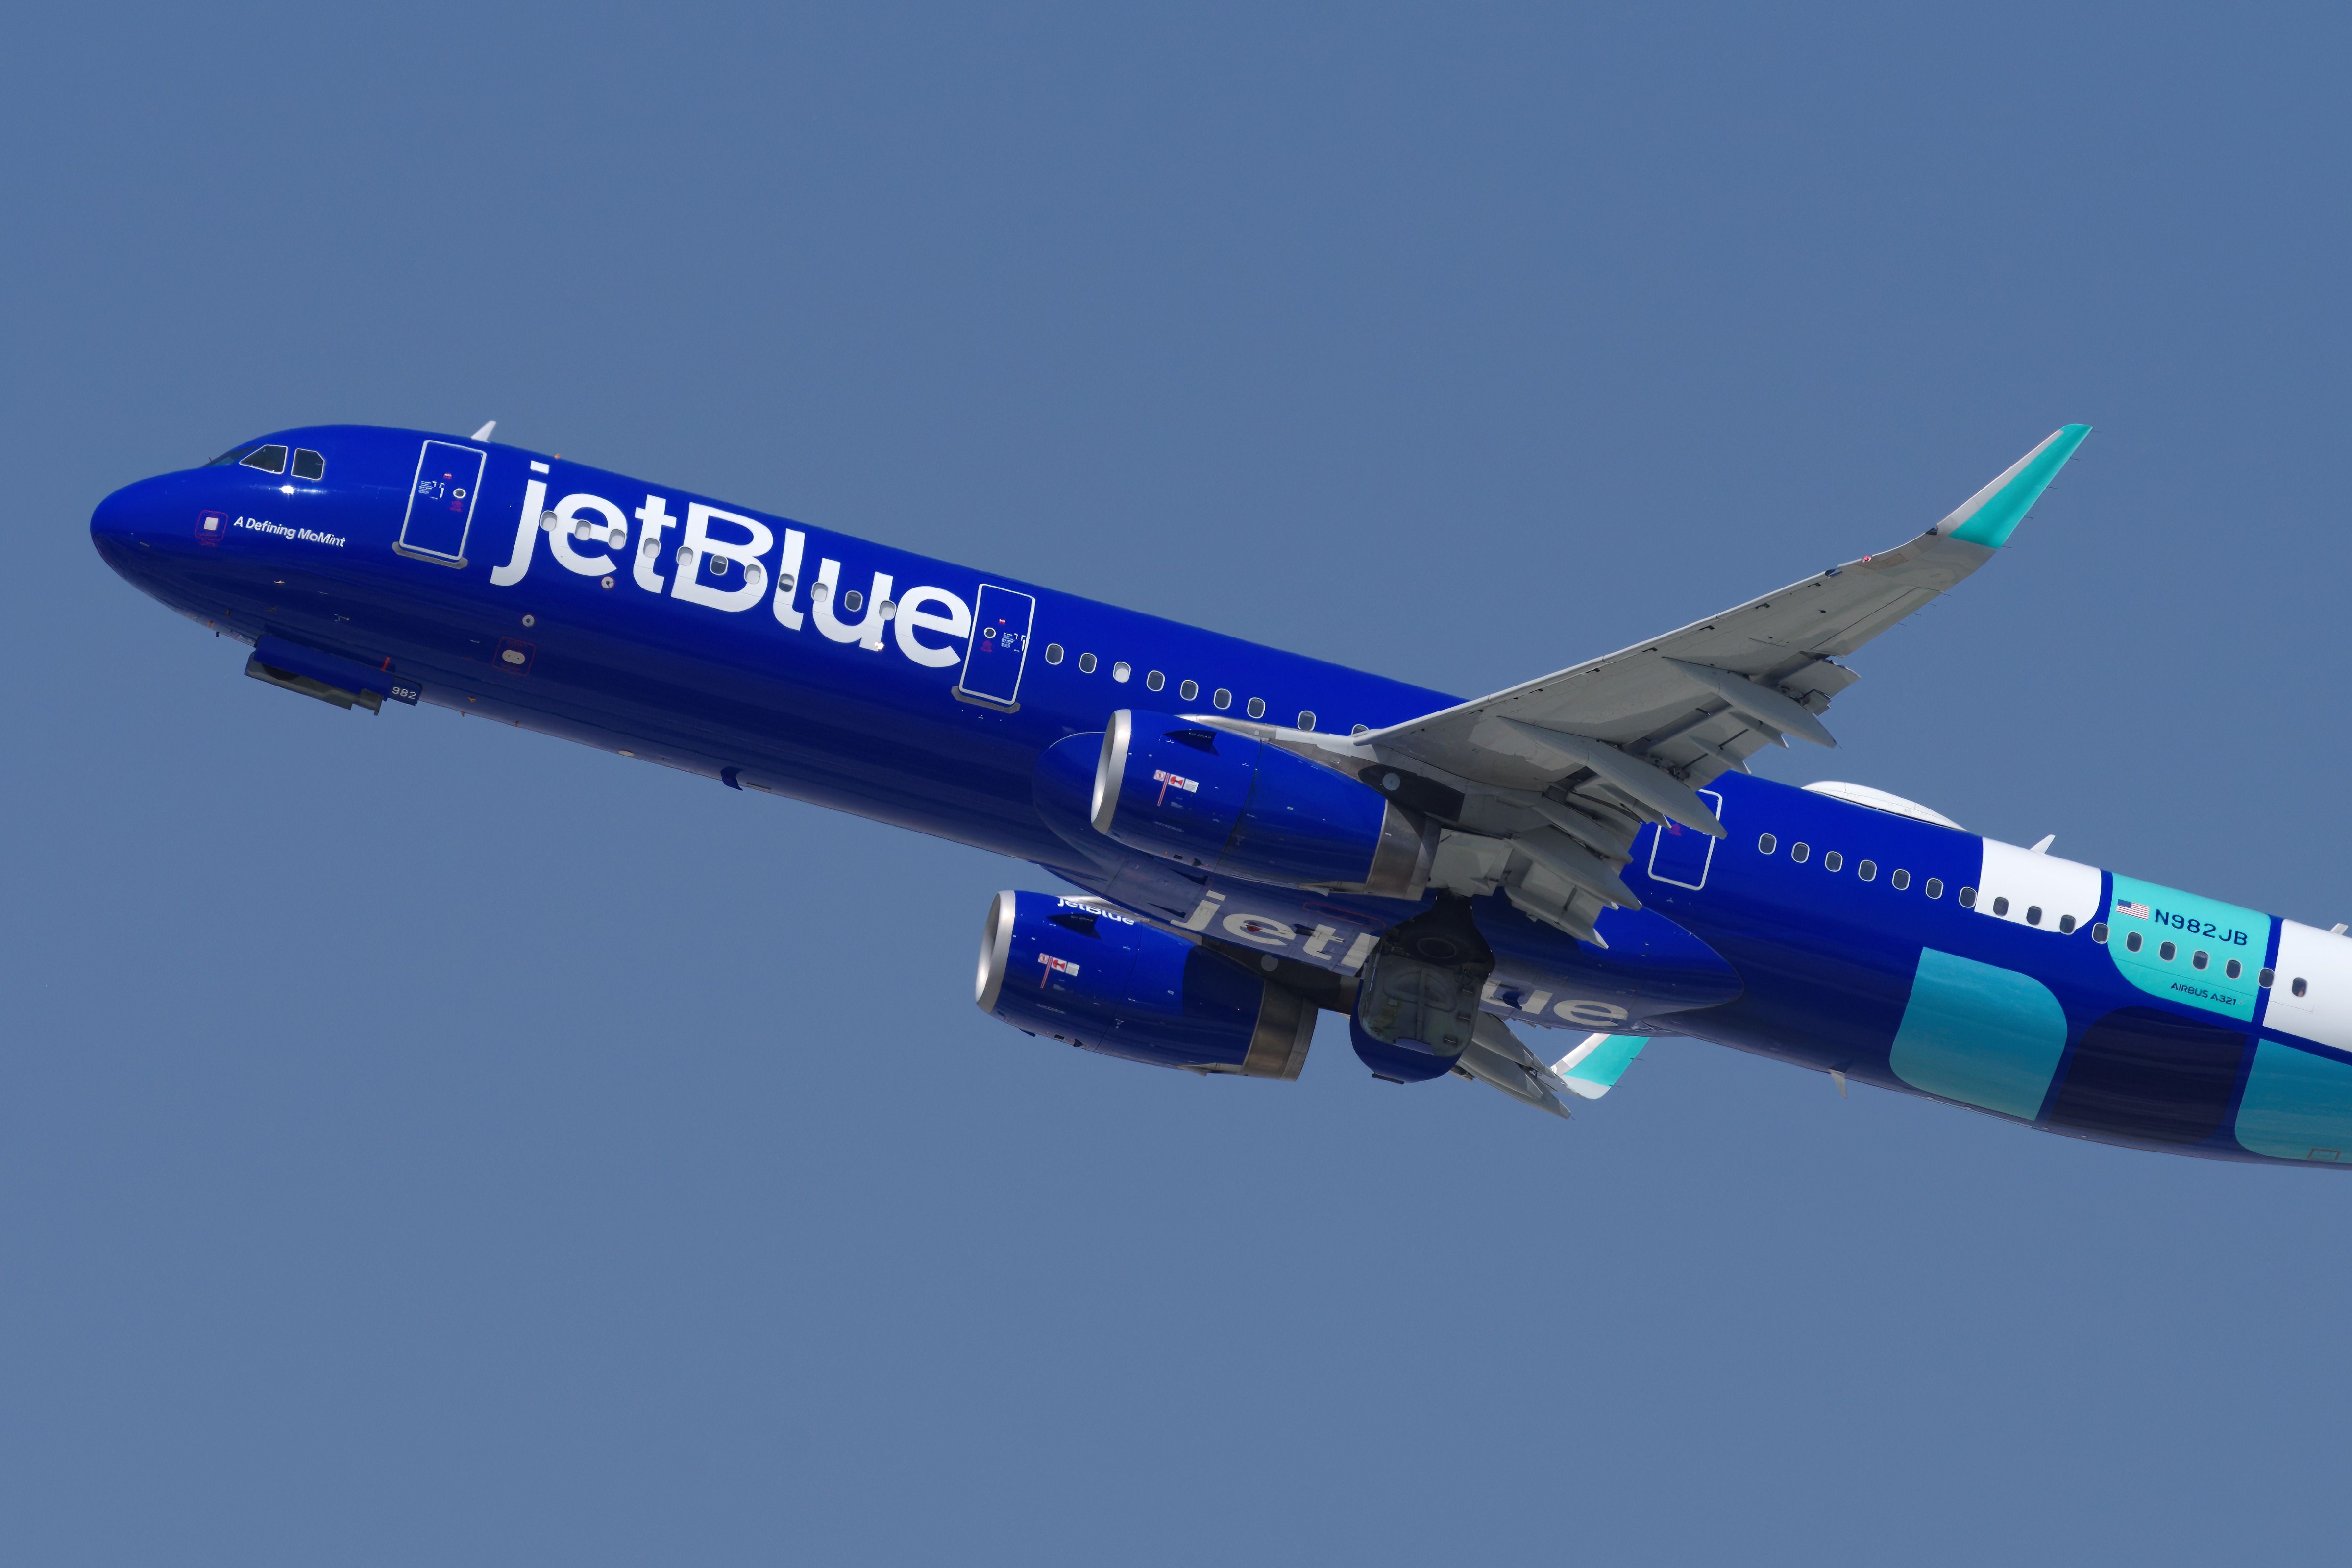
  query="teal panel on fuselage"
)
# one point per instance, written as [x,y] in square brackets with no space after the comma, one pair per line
[2223,933]
[1979,1033]
[2297,1105]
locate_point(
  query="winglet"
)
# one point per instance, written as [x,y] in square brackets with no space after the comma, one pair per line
[1990,516]
[484,433]
[1593,1069]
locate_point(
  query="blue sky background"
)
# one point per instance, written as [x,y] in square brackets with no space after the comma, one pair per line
[424,1142]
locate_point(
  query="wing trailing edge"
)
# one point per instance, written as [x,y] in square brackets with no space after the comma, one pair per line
[1596,752]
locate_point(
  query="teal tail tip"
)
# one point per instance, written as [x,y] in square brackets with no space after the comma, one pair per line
[1991,515]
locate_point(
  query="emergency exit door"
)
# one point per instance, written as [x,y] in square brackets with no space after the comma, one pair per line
[1680,854]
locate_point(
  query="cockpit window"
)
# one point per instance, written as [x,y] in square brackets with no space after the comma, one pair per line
[268,459]
[231,455]
[308,465]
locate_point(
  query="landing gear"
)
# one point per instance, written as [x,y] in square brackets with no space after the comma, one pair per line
[1418,1003]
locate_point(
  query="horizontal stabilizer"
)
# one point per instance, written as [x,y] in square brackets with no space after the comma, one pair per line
[1593,1069]
[1496,1057]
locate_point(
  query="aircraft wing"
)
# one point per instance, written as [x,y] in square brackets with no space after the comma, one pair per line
[1566,769]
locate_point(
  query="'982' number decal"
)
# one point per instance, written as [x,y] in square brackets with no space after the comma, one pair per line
[2198,927]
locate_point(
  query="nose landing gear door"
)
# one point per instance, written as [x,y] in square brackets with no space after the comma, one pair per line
[441,503]
[999,648]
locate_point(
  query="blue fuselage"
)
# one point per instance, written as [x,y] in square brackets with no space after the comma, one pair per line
[763,653]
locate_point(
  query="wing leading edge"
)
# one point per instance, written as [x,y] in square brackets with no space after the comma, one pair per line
[1556,776]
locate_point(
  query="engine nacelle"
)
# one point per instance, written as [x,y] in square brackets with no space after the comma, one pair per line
[1230,804]
[1077,972]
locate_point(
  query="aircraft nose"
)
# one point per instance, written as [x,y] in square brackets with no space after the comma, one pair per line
[140,525]
[120,517]
[131,517]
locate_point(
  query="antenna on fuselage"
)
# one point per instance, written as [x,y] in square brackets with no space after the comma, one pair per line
[484,433]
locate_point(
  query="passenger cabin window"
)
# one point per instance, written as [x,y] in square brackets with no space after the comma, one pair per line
[2000,906]
[1307,717]
[1766,844]
[2301,987]
[2199,959]
[2266,978]
[2099,932]
[1831,861]
[2165,951]
[1120,671]
[1155,680]
[268,459]
[1257,707]
[1866,870]
[2133,941]
[1935,887]
[1799,851]
[2233,969]
[2066,924]
[1053,653]
[1190,691]
[1357,730]
[308,465]
[2033,914]
[1086,664]
[1967,897]
[1901,879]
[1224,698]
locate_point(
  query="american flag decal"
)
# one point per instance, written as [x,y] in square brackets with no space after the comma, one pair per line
[2137,912]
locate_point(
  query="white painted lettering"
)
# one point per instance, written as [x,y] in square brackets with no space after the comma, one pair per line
[1201,917]
[868,633]
[698,545]
[569,513]
[655,516]
[1260,928]
[788,580]
[913,618]
[534,499]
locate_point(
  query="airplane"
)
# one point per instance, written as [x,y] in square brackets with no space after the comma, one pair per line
[1248,838]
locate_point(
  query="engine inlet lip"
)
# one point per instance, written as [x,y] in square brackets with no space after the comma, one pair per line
[995,950]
